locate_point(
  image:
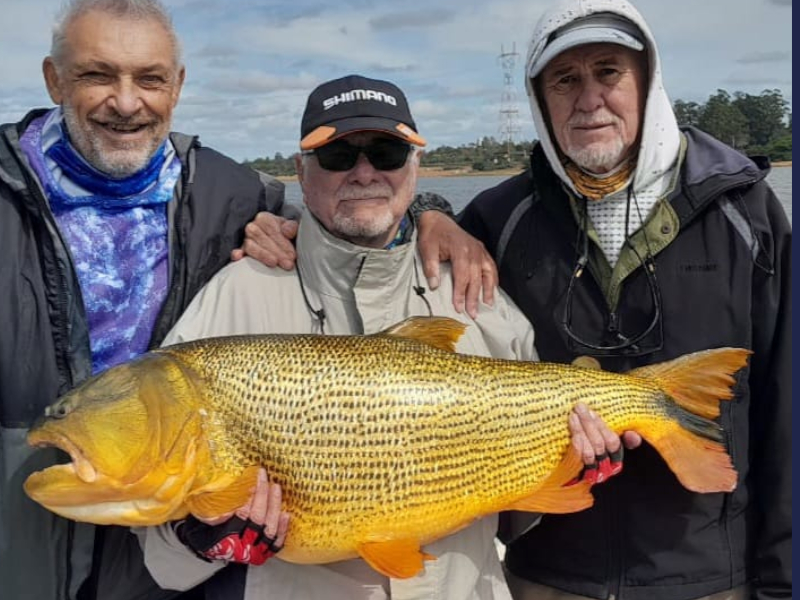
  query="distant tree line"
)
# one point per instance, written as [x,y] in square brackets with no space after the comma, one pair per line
[752,124]
[759,124]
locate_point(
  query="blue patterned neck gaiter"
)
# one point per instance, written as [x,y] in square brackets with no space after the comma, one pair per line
[117,237]
[80,172]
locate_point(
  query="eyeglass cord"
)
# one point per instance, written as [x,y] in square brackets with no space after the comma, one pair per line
[648,265]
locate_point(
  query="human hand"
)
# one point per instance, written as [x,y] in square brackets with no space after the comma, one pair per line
[268,239]
[250,535]
[601,449]
[440,239]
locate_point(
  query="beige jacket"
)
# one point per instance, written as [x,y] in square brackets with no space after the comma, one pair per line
[362,291]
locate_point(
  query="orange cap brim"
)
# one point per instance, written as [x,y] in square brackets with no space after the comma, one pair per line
[325,134]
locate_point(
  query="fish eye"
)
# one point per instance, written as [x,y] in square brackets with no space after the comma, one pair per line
[58,411]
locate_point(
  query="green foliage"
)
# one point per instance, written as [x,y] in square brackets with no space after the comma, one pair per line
[759,124]
[486,154]
[722,119]
[687,113]
[777,150]
[273,166]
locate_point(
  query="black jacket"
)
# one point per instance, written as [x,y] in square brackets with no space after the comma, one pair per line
[44,346]
[724,280]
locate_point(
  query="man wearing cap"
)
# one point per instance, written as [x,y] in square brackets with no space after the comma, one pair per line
[632,241]
[358,272]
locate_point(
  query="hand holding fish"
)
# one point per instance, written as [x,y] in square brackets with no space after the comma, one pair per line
[250,535]
[600,448]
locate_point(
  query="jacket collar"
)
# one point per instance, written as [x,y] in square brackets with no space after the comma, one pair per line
[340,269]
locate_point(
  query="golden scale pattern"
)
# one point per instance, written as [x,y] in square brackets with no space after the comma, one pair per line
[424,445]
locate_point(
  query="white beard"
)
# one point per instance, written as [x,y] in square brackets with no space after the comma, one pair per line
[598,157]
[115,162]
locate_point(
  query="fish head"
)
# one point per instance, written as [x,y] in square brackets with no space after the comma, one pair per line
[134,438]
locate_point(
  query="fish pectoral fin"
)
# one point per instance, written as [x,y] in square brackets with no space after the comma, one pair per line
[554,495]
[222,498]
[399,559]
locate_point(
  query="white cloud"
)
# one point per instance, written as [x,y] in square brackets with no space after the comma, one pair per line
[251,64]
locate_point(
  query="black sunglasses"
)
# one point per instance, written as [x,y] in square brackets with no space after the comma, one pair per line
[383,154]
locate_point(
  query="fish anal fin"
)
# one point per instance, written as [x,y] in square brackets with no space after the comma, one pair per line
[698,381]
[222,497]
[700,464]
[399,559]
[440,332]
[554,495]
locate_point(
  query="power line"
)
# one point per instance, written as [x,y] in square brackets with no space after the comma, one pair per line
[509,113]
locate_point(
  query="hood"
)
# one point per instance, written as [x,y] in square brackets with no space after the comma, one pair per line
[660,139]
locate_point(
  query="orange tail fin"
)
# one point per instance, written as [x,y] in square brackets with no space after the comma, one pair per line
[691,443]
[698,381]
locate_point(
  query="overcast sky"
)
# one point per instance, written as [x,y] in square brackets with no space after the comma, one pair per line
[251,63]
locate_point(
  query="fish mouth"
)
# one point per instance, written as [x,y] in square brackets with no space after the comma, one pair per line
[83,469]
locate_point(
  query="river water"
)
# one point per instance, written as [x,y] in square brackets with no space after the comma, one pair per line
[460,190]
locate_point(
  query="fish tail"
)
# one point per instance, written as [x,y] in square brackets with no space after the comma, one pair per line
[690,442]
[698,381]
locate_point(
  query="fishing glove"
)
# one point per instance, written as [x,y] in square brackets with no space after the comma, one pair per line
[235,540]
[604,467]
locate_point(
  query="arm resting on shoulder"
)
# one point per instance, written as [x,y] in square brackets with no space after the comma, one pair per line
[441,239]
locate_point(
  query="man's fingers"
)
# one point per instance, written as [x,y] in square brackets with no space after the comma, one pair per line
[268,239]
[600,438]
[473,291]
[270,253]
[429,251]
[489,281]
[256,508]
[283,529]
[631,440]
[590,430]
[269,233]
[430,264]
[599,447]
[429,246]
[289,228]
[580,440]
[462,275]
[273,513]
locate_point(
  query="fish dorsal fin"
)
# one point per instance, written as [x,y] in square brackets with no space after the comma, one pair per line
[439,332]
[399,559]
[223,496]
[698,381]
[554,495]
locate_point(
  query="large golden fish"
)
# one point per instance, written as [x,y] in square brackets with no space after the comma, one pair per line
[382,443]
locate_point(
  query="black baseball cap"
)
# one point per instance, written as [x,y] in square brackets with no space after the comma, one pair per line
[356,103]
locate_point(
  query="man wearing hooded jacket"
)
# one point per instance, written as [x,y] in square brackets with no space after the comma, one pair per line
[633,242]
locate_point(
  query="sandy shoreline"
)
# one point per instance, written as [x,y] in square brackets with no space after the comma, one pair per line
[468,172]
